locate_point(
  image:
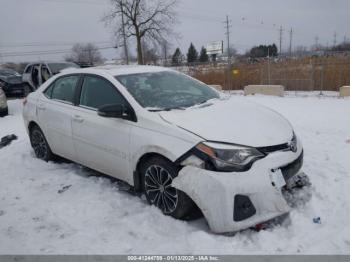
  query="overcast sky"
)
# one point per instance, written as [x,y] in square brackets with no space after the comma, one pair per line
[54,25]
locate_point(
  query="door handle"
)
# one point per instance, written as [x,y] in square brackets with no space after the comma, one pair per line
[78,119]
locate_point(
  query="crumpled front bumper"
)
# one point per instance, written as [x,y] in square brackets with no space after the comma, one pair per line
[215,192]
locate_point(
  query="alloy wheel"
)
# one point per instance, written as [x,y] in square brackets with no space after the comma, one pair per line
[39,144]
[159,190]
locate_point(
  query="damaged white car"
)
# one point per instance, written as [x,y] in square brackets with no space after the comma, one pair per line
[179,141]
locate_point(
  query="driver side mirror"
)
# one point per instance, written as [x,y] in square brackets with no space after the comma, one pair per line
[111,111]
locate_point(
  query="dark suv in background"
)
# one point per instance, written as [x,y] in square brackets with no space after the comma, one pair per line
[12,84]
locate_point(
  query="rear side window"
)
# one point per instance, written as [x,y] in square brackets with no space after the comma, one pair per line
[48,91]
[97,92]
[28,70]
[63,89]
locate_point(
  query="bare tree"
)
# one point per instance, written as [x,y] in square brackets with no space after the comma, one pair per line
[150,54]
[151,19]
[85,55]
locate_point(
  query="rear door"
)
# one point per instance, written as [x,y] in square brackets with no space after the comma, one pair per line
[27,76]
[35,76]
[55,110]
[101,143]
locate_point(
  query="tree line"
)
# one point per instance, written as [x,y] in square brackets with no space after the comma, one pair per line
[192,55]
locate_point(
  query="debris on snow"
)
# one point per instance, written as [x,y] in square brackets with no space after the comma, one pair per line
[63,189]
[6,140]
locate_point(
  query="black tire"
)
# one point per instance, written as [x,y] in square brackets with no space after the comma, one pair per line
[169,200]
[4,112]
[41,148]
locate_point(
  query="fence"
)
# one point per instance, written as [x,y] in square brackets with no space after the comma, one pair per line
[297,74]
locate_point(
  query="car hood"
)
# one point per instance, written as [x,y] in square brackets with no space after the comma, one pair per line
[233,120]
[12,79]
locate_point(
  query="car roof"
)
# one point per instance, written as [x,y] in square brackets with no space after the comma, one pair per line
[48,63]
[115,70]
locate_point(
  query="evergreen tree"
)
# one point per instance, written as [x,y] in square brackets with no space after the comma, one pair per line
[203,57]
[273,50]
[176,59]
[263,51]
[192,55]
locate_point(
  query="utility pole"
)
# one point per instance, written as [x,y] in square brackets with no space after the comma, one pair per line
[335,39]
[316,42]
[281,35]
[165,47]
[124,36]
[268,66]
[290,41]
[227,26]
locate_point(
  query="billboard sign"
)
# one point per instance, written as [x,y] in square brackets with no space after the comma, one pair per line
[215,48]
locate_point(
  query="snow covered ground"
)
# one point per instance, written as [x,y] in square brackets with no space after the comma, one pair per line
[63,208]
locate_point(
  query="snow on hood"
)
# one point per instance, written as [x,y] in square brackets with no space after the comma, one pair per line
[234,121]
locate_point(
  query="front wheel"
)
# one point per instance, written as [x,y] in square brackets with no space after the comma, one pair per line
[158,174]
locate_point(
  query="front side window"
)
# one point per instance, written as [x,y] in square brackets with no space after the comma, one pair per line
[97,92]
[64,88]
[166,90]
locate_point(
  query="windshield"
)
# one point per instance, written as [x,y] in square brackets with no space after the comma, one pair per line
[166,90]
[57,67]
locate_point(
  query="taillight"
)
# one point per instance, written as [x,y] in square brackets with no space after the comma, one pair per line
[25,101]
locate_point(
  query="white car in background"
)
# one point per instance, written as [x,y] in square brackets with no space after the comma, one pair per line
[3,103]
[172,137]
[35,74]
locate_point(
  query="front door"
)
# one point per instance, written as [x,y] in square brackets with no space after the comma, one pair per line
[101,143]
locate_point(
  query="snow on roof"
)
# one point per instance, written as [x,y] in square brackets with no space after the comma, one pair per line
[121,69]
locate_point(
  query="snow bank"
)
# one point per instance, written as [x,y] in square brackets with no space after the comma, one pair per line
[95,215]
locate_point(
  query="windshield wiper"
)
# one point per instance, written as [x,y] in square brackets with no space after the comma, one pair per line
[175,108]
[165,109]
[201,103]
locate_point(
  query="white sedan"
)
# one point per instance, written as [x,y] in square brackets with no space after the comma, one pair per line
[177,140]
[3,103]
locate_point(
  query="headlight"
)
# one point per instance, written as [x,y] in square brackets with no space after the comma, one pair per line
[293,144]
[228,157]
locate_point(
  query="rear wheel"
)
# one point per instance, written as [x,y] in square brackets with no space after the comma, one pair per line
[158,174]
[4,112]
[41,148]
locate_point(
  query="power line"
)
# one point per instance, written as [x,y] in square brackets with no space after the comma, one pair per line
[74,2]
[44,44]
[46,52]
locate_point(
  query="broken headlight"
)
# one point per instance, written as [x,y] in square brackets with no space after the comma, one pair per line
[228,157]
